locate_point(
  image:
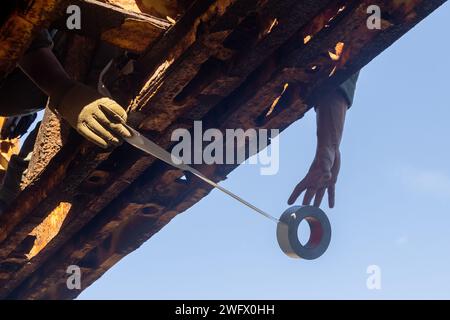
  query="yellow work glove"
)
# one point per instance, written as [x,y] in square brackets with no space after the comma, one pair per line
[92,115]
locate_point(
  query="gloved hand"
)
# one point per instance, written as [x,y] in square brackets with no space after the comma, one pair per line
[323,173]
[92,115]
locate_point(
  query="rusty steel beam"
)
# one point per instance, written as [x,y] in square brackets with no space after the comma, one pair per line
[46,151]
[155,197]
[20,24]
[122,28]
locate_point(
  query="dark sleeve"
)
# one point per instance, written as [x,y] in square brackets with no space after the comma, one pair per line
[42,40]
[348,88]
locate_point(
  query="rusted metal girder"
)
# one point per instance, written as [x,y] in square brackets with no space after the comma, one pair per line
[225,63]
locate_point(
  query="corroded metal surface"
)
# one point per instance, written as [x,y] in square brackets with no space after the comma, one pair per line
[134,31]
[17,30]
[230,63]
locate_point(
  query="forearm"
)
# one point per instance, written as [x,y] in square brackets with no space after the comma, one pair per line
[46,72]
[331,111]
[323,173]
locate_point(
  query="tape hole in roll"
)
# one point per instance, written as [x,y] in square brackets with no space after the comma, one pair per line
[315,232]
[304,232]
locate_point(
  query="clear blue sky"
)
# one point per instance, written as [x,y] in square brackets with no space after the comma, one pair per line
[393,202]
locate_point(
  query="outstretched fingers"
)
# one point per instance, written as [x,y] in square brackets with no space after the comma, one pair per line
[298,190]
[309,195]
[331,195]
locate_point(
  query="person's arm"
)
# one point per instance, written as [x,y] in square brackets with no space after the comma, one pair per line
[322,175]
[81,106]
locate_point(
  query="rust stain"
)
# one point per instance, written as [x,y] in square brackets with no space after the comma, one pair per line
[17,31]
[155,80]
[405,6]
[161,8]
[125,4]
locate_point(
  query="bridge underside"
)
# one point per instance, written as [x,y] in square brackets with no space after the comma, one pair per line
[229,63]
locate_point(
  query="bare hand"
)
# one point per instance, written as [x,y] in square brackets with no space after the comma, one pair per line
[321,177]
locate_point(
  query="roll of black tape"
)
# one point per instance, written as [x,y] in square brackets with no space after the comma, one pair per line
[287,232]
